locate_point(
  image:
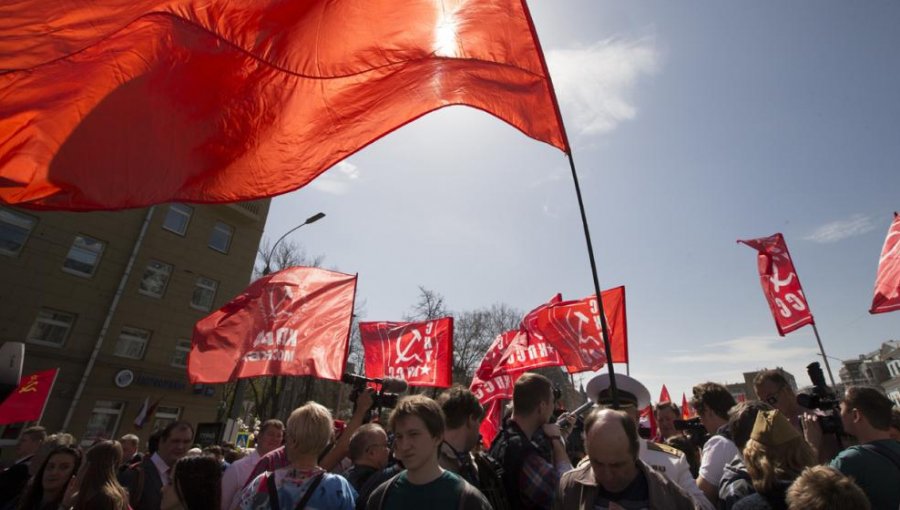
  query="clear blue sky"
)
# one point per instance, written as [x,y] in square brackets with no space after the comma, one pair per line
[693,125]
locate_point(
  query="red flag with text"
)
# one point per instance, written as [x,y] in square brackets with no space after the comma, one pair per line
[573,329]
[780,284]
[27,401]
[293,322]
[263,95]
[419,352]
[887,283]
[664,395]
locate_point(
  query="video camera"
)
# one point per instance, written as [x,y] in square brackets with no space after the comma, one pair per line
[694,430]
[388,392]
[823,399]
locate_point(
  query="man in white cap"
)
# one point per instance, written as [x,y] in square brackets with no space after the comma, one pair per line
[664,459]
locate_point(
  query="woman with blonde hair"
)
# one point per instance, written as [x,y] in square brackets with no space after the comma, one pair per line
[98,487]
[775,455]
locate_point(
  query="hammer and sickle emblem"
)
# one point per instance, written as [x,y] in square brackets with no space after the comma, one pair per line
[31,386]
[403,354]
[276,303]
[778,283]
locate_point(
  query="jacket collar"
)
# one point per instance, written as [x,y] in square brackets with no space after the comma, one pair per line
[584,475]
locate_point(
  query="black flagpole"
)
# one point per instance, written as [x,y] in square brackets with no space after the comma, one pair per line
[613,388]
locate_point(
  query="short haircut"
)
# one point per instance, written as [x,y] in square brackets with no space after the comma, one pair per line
[624,419]
[130,439]
[664,406]
[825,488]
[714,396]
[771,375]
[459,404]
[271,423]
[529,391]
[363,438]
[309,429]
[176,425]
[153,442]
[741,419]
[872,404]
[36,433]
[422,407]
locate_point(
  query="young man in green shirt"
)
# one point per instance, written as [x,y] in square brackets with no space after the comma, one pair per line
[418,426]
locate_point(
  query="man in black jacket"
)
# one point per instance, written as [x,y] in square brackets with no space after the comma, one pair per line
[145,480]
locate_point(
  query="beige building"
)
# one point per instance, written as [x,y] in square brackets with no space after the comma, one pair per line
[111,298]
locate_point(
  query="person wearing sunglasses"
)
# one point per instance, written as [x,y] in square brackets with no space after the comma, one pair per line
[664,459]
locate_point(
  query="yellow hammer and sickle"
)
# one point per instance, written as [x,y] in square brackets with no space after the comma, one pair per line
[30,386]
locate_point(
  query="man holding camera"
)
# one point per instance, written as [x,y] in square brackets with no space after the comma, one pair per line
[875,462]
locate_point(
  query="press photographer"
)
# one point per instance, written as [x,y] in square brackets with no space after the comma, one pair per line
[385,396]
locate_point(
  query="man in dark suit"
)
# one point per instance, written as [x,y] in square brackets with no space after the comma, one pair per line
[145,480]
[14,478]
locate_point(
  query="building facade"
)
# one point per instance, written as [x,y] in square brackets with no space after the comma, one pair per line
[111,299]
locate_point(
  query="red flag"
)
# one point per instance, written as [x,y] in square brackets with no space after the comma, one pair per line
[664,395]
[887,283]
[293,322]
[419,352]
[649,417]
[573,329]
[264,95]
[687,412]
[780,284]
[27,402]
[492,423]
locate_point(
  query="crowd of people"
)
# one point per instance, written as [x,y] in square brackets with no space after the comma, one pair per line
[427,453]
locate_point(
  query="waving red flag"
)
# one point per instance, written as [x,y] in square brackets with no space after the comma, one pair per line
[687,412]
[27,402]
[293,322]
[649,417]
[887,283]
[573,329]
[419,352]
[264,95]
[492,423]
[664,395]
[780,284]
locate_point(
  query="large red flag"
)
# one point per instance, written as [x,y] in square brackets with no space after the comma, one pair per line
[664,395]
[26,403]
[419,352]
[264,95]
[293,322]
[887,283]
[573,329]
[780,284]
[492,423]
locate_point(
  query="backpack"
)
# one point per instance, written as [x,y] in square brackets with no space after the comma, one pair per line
[490,475]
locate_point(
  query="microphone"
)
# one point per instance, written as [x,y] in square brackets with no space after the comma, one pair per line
[393,385]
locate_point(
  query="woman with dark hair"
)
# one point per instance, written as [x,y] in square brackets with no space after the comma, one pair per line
[196,485]
[97,485]
[49,483]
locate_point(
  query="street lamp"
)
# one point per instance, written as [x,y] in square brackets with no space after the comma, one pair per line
[312,219]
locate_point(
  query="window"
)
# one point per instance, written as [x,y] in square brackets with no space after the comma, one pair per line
[177,218]
[220,240]
[84,256]
[14,231]
[51,327]
[180,356]
[204,294]
[164,416]
[132,343]
[104,421]
[155,279]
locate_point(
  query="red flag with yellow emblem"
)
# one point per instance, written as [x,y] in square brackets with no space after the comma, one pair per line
[27,402]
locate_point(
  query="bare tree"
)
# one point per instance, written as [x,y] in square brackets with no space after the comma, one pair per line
[473,333]
[430,306]
[287,254]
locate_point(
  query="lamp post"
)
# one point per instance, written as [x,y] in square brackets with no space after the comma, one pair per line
[312,219]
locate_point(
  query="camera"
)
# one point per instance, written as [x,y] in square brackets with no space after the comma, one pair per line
[694,430]
[387,394]
[823,399]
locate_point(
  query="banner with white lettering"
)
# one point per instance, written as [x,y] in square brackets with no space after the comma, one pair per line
[293,322]
[419,352]
[887,283]
[780,284]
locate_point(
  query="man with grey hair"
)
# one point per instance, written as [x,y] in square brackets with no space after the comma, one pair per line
[130,453]
[614,476]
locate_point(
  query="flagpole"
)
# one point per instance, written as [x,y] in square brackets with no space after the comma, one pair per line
[613,388]
[824,357]
[49,394]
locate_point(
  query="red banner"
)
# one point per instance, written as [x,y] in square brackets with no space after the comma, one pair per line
[780,284]
[887,283]
[419,352]
[687,412]
[293,322]
[492,423]
[26,403]
[573,329]
[664,395]
[264,95]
